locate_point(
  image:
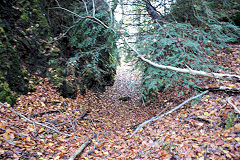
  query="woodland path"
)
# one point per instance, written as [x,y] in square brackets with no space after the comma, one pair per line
[115,112]
[197,130]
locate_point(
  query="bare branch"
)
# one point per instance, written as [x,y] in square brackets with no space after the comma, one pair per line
[46,112]
[96,20]
[2,129]
[94,10]
[166,113]
[75,14]
[229,77]
[110,10]
[222,88]
[235,107]
[80,150]
[57,3]
[85,4]
[33,122]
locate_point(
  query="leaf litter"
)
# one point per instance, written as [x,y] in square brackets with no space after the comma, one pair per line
[206,129]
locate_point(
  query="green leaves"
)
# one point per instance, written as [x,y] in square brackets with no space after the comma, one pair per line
[189,36]
[94,49]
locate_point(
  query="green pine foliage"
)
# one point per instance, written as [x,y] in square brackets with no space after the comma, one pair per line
[95,58]
[187,37]
[230,120]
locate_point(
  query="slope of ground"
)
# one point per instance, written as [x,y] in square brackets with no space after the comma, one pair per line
[196,131]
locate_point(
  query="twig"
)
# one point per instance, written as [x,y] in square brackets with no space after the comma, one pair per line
[14,133]
[57,3]
[61,124]
[94,146]
[72,123]
[85,4]
[53,126]
[46,112]
[33,122]
[110,10]
[85,113]
[86,17]
[52,102]
[93,3]
[166,113]
[59,7]
[143,102]
[235,107]
[80,150]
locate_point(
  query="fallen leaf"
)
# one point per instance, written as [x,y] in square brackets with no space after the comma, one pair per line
[237,127]
[219,142]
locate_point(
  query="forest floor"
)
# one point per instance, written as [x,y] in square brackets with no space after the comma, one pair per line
[206,129]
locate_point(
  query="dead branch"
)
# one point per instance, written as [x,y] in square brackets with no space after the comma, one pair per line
[197,118]
[80,150]
[94,146]
[52,102]
[85,113]
[85,5]
[166,113]
[93,3]
[235,107]
[47,112]
[230,77]
[222,88]
[34,122]
[94,19]
[2,129]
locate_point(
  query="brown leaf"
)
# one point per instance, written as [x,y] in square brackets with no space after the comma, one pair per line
[219,142]
[237,127]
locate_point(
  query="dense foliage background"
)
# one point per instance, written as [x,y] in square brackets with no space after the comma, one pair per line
[41,38]
[60,48]
[183,34]
[74,42]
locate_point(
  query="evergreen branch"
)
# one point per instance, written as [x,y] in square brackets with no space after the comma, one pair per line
[229,77]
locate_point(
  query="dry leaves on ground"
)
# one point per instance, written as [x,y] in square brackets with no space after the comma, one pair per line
[197,131]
